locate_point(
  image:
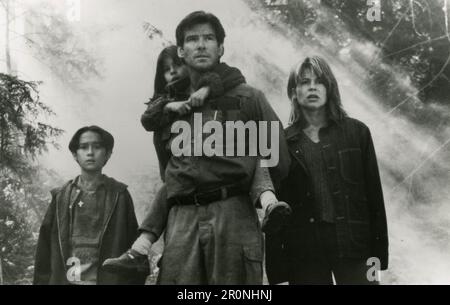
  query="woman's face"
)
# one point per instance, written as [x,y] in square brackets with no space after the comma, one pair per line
[172,71]
[311,93]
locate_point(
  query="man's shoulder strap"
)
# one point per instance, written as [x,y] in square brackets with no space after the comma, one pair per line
[234,98]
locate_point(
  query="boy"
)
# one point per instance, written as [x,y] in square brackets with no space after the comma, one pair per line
[90,218]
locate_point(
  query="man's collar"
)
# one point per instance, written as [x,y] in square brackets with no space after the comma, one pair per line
[179,86]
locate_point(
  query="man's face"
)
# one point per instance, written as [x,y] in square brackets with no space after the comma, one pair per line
[91,155]
[201,50]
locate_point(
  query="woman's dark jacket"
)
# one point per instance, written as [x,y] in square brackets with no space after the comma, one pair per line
[354,181]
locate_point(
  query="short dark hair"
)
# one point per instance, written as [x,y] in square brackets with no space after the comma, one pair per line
[199,17]
[107,140]
[320,67]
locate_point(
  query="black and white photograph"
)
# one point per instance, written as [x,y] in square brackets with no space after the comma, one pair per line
[211,142]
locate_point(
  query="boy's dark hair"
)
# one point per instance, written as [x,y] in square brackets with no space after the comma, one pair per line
[107,140]
[199,17]
[160,81]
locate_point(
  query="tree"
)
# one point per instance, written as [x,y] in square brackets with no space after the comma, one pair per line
[54,42]
[5,4]
[23,136]
[412,37]
[58,45]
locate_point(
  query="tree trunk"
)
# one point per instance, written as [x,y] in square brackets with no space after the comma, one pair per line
[8,71]
[7,49]
[1,271]
[2,139]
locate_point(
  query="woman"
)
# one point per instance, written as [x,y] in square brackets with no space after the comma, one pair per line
[338,217]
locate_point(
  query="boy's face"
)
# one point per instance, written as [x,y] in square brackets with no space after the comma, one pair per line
[91,155]
[201,50]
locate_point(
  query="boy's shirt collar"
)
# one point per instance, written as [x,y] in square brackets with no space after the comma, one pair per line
[77,182]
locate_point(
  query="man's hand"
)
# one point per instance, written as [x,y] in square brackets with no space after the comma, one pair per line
[266,198]
[198,98]
[277,213]
[181,108]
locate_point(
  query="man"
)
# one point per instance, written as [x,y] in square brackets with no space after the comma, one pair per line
[212,233]
[90,218]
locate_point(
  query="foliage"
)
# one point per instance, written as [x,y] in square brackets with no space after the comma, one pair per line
[22,134]
[23,191]
[57,43]
[406,53]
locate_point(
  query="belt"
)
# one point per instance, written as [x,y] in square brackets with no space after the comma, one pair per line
[207,197]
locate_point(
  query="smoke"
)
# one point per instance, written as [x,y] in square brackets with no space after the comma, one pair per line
[414,162]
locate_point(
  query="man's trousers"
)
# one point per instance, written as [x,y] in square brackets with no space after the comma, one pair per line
[217,243]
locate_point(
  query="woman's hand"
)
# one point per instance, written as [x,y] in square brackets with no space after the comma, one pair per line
[181,108]
[198,98]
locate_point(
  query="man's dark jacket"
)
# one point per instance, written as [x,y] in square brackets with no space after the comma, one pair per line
[221,79]
[119,232]
[354,181]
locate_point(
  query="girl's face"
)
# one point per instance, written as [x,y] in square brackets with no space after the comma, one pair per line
[311,92]
[172,71]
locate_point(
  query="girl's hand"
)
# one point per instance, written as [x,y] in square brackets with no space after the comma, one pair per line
[198,98]
[181,108]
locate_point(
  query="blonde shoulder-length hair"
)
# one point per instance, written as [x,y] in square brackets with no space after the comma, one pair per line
[322,70]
